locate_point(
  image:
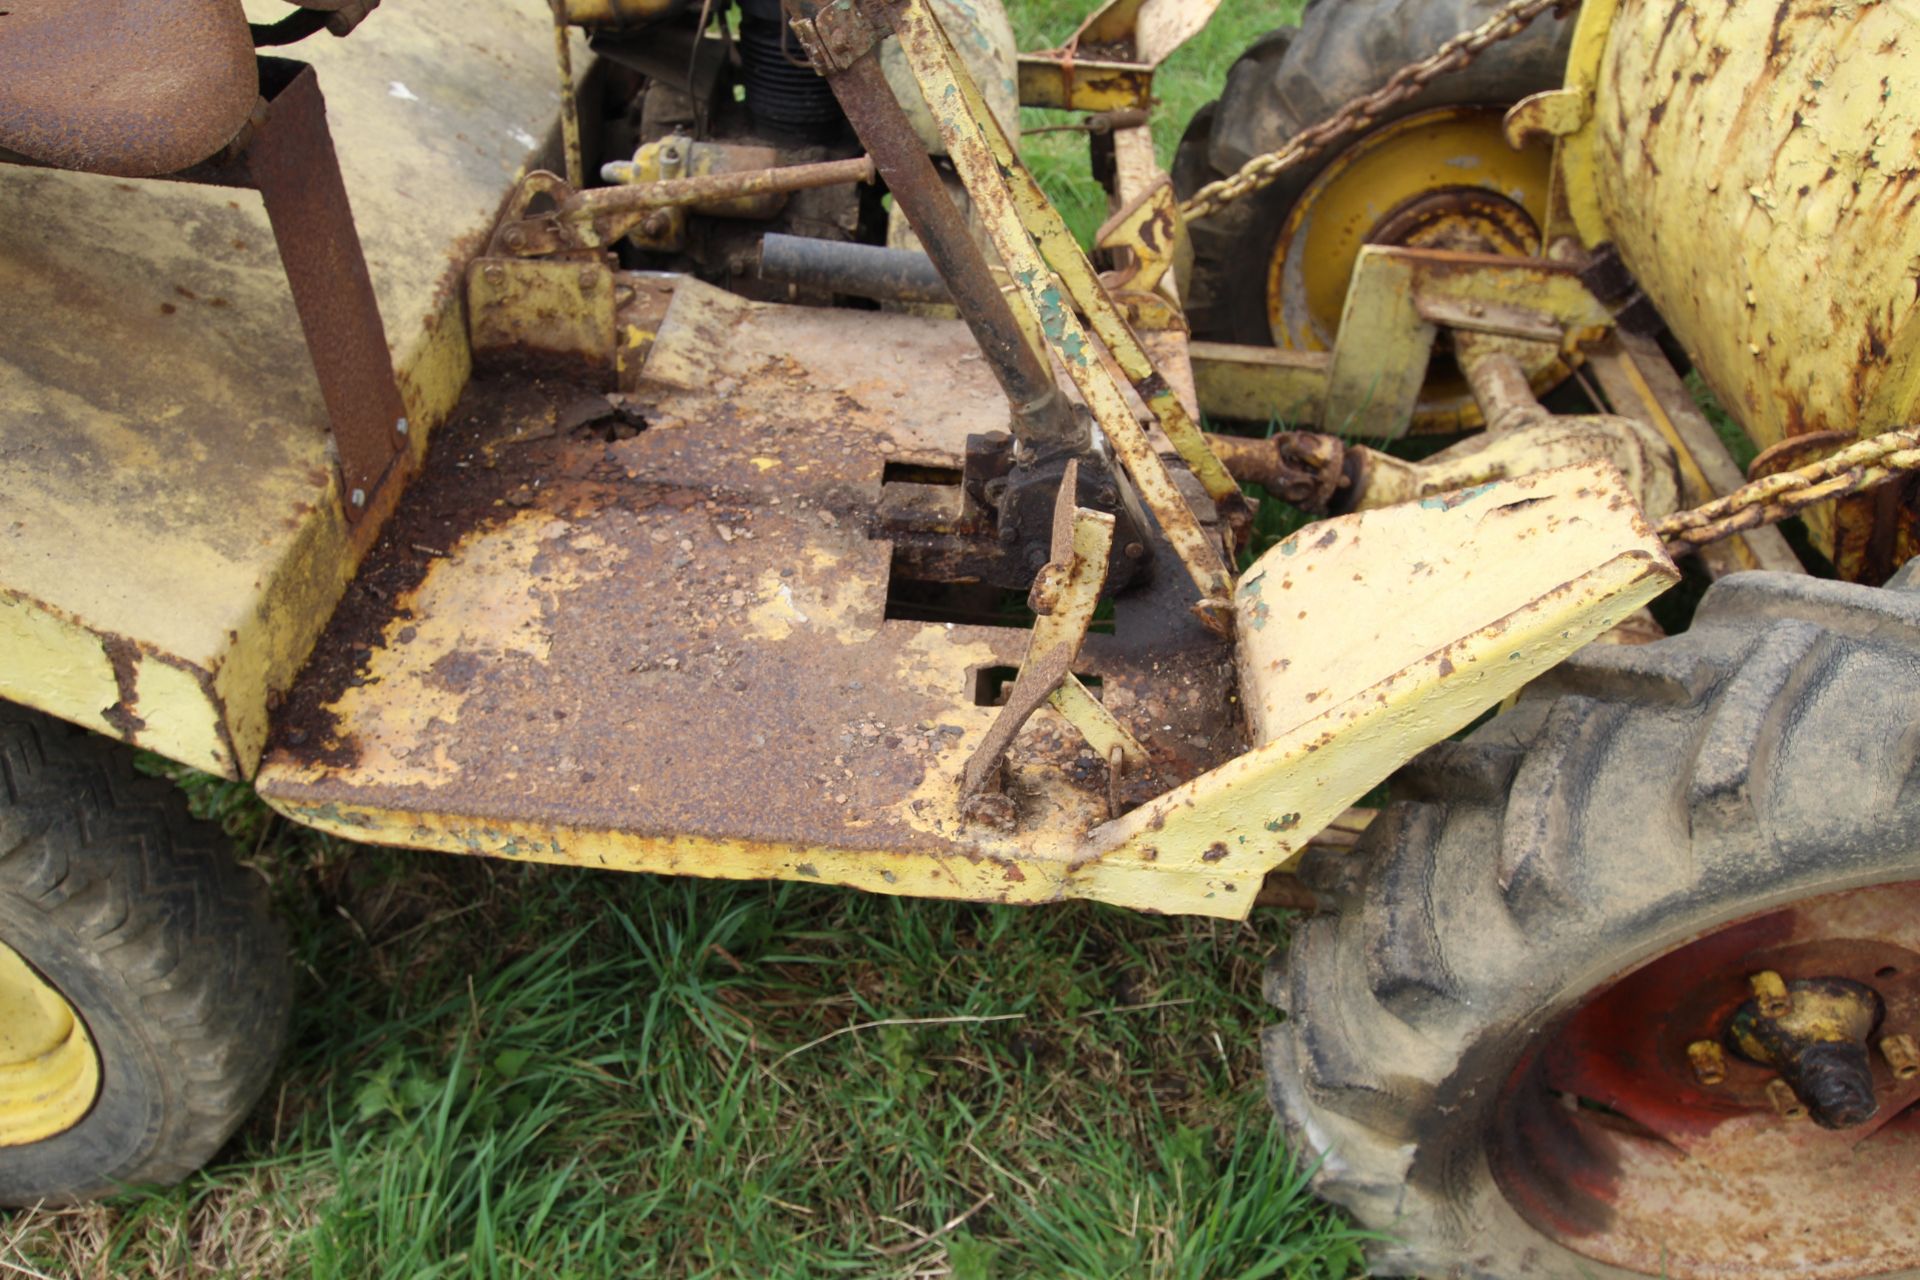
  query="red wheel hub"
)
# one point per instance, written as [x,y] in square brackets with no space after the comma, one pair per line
[1608,1139]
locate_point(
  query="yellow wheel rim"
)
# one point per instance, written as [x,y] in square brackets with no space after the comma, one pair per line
[1363,196]
[49,1071]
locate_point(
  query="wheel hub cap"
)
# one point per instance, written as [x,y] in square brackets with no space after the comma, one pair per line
[49,1071]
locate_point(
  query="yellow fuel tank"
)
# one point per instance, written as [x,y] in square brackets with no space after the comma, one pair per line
[1757,165]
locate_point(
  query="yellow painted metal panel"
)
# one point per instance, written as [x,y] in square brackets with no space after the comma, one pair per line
[1364,640]
[1754,165]
[163,447]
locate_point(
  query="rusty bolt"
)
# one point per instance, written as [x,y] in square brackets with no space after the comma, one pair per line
[515,238]
[495,273]
[655,224]
[1134,550]
[1709,1063]
[1903,1057]
[587,277]
[1770,992]
[1781,1095]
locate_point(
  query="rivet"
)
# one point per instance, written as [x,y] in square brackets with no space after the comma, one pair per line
[587,277]
[495,273]
[358,497]
[401,426]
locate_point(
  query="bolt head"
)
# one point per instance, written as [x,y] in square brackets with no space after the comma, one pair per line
[494,273]
[588,276]
[1781,1095]
[400,427]
[1709,1063]
[358,497]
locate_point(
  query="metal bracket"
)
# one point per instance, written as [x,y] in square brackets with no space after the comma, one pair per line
[1065,594]
[1057,285]
[836,37]
[1400,297]
[289,158]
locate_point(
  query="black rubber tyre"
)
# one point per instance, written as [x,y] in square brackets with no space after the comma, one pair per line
[138,916]
[1636,798]
[1292,78]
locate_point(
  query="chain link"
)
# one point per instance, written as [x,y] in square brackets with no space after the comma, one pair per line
[1362,112]
[1884,457]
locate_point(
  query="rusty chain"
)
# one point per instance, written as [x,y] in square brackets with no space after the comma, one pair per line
[1263,170]
[1884,457]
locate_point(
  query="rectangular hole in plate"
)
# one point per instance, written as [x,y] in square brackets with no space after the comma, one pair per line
[991,684]
[977,604]
[918,473]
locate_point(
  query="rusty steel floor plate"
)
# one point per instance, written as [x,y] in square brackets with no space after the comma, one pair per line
[669,649]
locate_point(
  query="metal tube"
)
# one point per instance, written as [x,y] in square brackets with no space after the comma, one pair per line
[862,270]
[708,188]
[1042,417]
[569,103]
[1499,381]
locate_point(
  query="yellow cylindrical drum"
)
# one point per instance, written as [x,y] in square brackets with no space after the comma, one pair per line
[1757,165]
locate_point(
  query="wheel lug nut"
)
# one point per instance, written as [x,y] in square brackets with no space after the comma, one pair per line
[1902,1055]
[1781,1095]
[1771,994]
[1709,1063]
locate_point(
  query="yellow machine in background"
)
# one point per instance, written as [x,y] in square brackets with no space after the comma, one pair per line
[588,525]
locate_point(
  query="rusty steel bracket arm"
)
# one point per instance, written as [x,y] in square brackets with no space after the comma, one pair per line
[1150,225]
[1065,594]
[1042,418]
[289,159]
[596,218]
[1035,244]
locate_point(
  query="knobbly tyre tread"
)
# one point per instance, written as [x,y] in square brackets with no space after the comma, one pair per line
[160,940]
[1634,798]
[1289,79]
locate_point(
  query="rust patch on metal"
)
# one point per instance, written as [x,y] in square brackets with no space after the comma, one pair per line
[682,633]
[124,656]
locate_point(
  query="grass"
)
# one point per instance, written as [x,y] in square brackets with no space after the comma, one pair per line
[503,1070]
[507,1069]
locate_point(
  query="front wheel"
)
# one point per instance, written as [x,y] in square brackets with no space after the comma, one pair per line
[143,986]
[1528,1046]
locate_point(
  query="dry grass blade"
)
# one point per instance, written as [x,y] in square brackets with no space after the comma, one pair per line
[928,1237]
[894,1022]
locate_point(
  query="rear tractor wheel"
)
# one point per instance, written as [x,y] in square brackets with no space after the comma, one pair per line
[1272,268]
[1631,987]
[143,986]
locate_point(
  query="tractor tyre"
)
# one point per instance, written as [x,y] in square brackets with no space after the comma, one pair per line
[1245,284]
[1487,1046]
[144,987]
